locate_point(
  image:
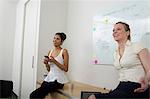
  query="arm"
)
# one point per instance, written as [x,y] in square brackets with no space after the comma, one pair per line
[66,61]
[145,60]
[148,76]
[144,56]
[47,67]
[46,62]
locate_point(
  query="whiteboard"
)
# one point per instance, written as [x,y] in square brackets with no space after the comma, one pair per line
[103,42]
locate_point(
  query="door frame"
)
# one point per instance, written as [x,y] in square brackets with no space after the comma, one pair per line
[19,44]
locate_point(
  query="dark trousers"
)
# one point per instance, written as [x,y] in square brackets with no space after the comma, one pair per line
[46,87]
[125,90]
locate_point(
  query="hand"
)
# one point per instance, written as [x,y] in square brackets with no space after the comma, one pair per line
[46,60]
[51,59]
[144,85]
[92,97]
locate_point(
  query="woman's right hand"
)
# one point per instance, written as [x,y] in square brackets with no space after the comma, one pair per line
[144,85]
[46,60]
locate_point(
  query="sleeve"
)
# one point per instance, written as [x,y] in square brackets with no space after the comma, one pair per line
[138,47]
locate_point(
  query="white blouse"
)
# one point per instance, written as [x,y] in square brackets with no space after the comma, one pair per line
[129,67]
[55,72]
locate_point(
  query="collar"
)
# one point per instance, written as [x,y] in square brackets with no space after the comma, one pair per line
[128,43]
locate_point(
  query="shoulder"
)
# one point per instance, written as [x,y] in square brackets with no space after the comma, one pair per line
[65,51]
[137,46]
[49,52]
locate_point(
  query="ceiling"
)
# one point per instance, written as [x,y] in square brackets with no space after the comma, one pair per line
[128,9]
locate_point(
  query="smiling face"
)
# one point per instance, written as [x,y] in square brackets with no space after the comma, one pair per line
[120,33]
[57,40]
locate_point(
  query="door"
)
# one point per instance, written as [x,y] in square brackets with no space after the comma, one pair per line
[28,78]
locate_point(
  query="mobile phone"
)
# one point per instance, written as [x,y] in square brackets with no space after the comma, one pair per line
[46,56]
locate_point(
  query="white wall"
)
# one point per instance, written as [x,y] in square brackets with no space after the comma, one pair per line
[52,19]
[78,26]
[80,18]
[75,17]
[7,32]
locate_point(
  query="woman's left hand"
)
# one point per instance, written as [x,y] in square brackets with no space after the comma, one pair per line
[144,85]
[51,59]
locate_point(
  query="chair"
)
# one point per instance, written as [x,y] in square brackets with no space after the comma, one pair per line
[6,88]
